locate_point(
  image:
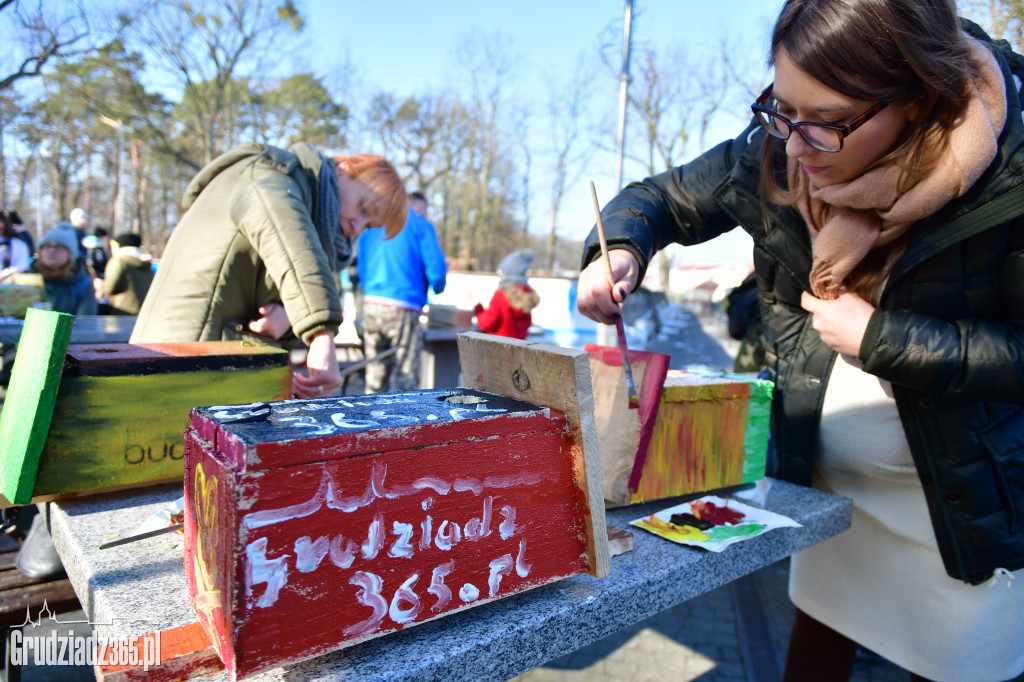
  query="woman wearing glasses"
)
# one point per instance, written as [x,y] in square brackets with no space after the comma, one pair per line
[881,181]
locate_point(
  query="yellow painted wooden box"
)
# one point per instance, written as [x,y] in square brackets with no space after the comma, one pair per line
[121,409]
[15,299]
[711,432]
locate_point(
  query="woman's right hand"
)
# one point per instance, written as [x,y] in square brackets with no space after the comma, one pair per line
[324,377]
[598,301]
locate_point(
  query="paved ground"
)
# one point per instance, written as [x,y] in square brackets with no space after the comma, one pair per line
[703,639]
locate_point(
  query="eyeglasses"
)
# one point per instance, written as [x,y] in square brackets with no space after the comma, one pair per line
[52,246]
[822,136]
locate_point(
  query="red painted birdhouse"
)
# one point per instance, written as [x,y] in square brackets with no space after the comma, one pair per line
[314,525]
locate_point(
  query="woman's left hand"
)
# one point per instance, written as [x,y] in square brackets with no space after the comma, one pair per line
[840,322]
[273,321]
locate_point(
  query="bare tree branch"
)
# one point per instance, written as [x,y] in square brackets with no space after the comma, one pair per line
[43,37]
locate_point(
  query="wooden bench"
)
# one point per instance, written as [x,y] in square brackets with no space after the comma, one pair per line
[22,597]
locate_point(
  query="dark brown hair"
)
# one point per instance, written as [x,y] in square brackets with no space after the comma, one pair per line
[905,51]
[6,225]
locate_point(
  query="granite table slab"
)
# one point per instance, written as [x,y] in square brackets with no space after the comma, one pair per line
[140,587]
[86,329]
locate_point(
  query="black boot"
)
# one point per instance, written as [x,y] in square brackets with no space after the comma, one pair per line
[37,557]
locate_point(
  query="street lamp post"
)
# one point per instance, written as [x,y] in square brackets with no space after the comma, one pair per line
[620,142]
[42,153]
[606,335]
[119,190]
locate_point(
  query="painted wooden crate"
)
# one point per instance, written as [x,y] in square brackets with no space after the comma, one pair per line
[701,431]
[15,299]
[711,432]
[119,411]
[314,525]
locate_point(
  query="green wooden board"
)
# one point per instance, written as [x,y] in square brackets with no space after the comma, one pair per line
[28,405]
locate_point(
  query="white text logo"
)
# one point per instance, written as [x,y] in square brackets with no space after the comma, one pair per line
[66,647]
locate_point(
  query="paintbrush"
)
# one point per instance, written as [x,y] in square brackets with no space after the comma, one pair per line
[142,536]
[634,399]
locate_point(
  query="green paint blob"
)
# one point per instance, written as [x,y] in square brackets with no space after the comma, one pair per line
[747,530]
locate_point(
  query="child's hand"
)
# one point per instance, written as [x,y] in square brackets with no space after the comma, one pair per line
[274,321]
[323,377]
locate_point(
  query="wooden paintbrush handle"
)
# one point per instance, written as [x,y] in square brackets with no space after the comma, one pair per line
[600,237]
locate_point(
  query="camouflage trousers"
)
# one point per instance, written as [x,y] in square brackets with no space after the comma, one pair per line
[750,355]
[385,327]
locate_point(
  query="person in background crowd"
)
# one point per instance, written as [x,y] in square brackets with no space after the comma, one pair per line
[128,275]
[395,274]
[96,255]
[21,233]
[97,251]
[257,253]
[880,180]
[509,312]
[80,222]
[743,308]
[67,284]
[418,202]
[14,253]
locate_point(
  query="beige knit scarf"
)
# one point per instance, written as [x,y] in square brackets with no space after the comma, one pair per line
[875,209]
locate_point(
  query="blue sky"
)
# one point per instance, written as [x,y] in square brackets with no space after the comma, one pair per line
[408,47]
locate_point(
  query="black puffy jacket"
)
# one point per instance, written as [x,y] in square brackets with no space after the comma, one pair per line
[948,333]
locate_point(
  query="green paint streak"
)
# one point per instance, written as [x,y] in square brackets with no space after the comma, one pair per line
[755,441]
[758,426]
[747,530]
[29,403]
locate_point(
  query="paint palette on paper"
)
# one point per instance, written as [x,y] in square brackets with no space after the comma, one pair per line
[712,522]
